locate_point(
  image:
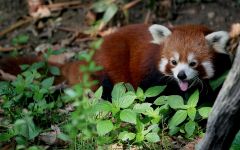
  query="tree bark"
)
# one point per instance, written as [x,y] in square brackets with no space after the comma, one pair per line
[224,120]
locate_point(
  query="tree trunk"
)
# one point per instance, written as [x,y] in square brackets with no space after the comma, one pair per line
[224,120]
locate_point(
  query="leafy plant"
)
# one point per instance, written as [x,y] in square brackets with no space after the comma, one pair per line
[128,118]
[219,81]
[108,8]
[186,116]
[20,39]
[236,142]
[29,104]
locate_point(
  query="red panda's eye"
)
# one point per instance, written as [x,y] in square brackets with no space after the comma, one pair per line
[192,64]
[174,62]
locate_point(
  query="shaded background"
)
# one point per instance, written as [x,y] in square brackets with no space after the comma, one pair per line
[217,14]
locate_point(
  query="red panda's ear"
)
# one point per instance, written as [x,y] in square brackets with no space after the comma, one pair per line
[159,33]
[218,40]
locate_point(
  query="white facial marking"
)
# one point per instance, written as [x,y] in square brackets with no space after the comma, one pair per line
[191,57]
[190,73]
[176,56]
[208,66]
[162,64]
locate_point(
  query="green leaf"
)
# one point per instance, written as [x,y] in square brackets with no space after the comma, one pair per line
[103,106]
[127,99]
[117,92]
[99,6]
[173,130]
[175,101]
[26,128]
[37,65]
[152,137]
[139,137]
[150,128]
[47,83]
[192,113]
[218,82]
[235,143]
[96,44]
[54,70]
[34,148]
[161,100]
[64,137]
[204,111]
[164,109]
[110,12]
[115,110]
[139,126]
[193,100]
[154,91]
[129,87]
[71,93]
[140,94]
[104,127]
[59,51]
[128,115]
[24,67]
[98,93]
[190,128]
[20,39]
[142,108]
[4,137]
[124,136]
[235,147]
[178,118]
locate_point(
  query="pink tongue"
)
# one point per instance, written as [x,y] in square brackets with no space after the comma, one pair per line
[183,85]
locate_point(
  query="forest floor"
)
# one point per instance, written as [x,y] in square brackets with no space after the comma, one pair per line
[65,28]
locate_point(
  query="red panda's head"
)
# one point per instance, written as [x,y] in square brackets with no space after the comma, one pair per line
[187,52]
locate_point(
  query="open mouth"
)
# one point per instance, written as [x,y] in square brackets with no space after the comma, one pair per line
[183,85]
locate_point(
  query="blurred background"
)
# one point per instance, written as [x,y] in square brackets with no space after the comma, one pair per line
[72,23]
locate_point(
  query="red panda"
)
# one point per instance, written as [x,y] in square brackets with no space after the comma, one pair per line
[143,54]
[147,55]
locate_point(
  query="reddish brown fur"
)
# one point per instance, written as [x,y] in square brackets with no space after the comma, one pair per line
[185,40]
[127,55]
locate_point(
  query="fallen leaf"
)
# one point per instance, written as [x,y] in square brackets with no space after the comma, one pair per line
[42,48]
[50,138]
[61,58]
[42,12]
[90,17]
[6,76]
[108,31]
[33,5]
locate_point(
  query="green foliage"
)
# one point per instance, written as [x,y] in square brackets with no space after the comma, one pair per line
[236,142]
[131,121]
[30,90]
[29,105]
[104,127]
[184,119]
[108,8]
[20,39]
[218,82]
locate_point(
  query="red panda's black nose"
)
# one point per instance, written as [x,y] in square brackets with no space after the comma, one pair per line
[181,75]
